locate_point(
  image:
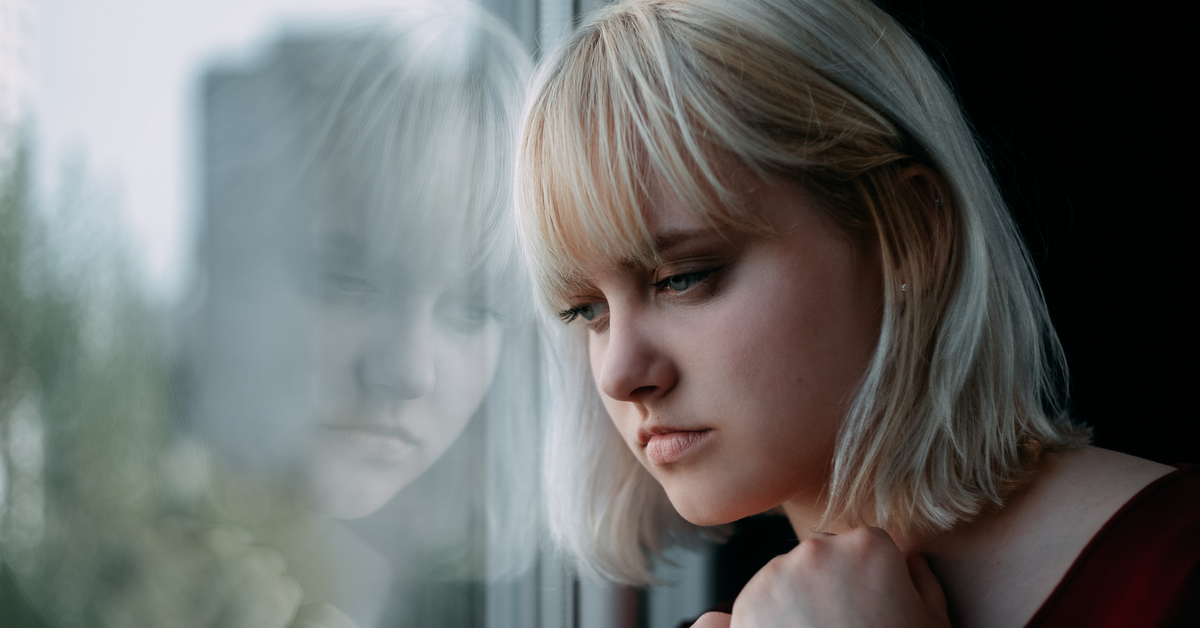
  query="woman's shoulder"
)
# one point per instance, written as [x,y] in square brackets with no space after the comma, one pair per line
[1142,567]
[1001,569]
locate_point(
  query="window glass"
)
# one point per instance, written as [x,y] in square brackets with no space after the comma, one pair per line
[267,356]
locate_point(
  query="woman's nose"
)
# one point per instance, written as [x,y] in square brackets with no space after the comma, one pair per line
[399,359]
[632,364]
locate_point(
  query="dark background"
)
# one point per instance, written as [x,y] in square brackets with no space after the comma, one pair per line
[1082,111]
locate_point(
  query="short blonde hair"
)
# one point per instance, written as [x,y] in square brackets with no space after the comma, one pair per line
[968,381]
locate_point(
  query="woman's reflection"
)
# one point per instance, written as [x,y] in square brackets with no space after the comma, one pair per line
[361,323]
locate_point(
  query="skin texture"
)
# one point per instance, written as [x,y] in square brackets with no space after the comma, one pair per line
[757,341]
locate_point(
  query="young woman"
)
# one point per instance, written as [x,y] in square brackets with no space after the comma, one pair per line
[789,282]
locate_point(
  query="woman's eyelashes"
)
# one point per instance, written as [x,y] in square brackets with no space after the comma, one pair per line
[336,286]
[681,284]
[586,311]
[683,281]
[465,313]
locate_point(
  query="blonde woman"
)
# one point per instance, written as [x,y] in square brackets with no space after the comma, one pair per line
[789,282]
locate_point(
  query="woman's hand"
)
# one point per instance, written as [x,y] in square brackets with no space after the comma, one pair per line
[859,578]
[713,619]
[322,616]
[258,592]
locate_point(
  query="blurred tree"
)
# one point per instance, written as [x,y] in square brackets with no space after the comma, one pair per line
[93,532]
[15,351]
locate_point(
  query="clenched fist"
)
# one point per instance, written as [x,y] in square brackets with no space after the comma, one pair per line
[856,579]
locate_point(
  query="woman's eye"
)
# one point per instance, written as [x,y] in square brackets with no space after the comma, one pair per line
[340,287]
[588,311]
[591,310]
[349,284]
[465,314]
[680,283]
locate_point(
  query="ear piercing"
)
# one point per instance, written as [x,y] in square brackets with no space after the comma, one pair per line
[903,287]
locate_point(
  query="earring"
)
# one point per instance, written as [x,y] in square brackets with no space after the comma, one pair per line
[937,200]
[903,287]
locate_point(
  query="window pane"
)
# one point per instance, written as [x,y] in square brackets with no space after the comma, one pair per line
[267,354]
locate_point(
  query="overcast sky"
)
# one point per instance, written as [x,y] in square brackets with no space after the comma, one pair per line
[116,80]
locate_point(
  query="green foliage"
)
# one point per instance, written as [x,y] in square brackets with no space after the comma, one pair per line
[92,533]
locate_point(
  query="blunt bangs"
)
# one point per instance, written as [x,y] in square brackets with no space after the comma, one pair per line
[648,100]
[607,133]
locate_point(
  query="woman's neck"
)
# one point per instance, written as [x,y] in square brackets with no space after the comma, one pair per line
[998,568]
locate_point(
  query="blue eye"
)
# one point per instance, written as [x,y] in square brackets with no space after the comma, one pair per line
[592,310]
[679,283]
[589,312]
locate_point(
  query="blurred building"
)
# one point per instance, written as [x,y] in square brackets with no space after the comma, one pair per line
[18,20]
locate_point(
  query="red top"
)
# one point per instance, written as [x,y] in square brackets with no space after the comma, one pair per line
[1142,569]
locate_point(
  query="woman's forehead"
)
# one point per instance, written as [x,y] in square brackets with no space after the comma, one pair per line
[438,269]
[410,245]
[411,209]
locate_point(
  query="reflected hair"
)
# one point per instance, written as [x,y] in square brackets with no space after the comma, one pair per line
[403,125]
[967,385]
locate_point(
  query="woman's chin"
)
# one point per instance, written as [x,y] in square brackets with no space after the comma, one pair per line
[707,512]
[352,492]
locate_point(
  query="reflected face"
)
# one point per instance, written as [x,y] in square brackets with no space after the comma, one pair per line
[405,351]
[349,364]
[728,367]
[348,337]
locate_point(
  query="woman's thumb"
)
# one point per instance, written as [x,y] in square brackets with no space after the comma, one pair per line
[713,619]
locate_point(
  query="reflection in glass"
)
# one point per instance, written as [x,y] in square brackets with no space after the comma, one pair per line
[338,427]
[362,332]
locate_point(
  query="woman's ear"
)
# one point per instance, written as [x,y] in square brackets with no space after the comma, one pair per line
[930,206]
[927,185]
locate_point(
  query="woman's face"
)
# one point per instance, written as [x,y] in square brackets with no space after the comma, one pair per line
[728,367]
[406,350]
[350,365]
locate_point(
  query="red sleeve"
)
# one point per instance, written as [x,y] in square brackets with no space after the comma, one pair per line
[1142,569]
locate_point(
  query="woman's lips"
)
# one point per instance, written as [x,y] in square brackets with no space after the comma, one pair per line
[378,445]
[669,447]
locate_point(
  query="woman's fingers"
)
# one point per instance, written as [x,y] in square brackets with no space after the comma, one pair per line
[323,616]
[259,593]
[713,619]
[858,578]
[928,587]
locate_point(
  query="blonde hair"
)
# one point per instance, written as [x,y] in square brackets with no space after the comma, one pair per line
[968,381]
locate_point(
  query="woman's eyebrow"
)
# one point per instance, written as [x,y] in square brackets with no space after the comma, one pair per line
[335,246]
[667,241]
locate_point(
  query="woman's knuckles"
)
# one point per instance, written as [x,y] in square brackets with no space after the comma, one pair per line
[828,580]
